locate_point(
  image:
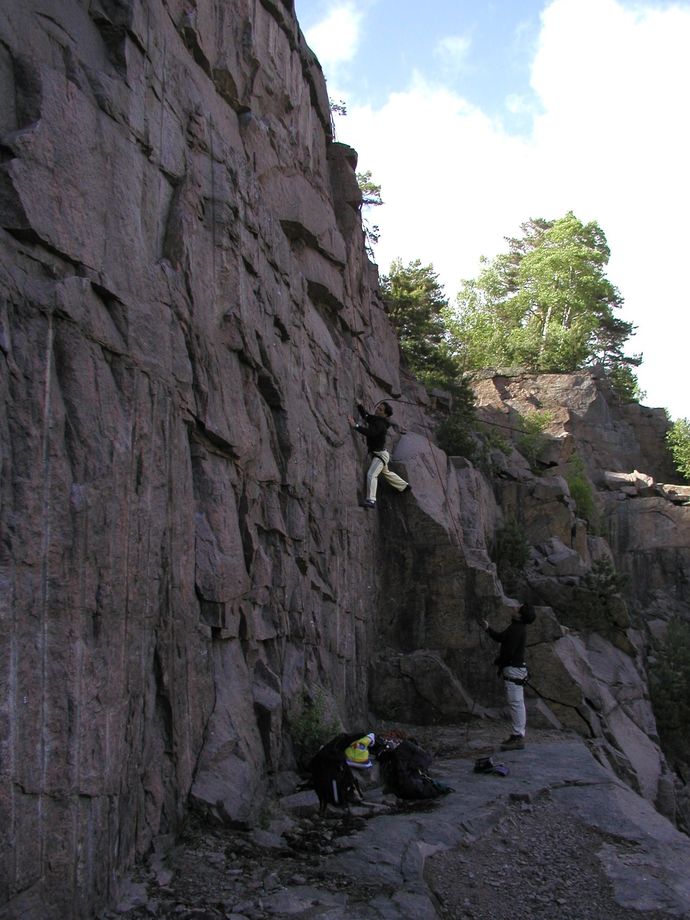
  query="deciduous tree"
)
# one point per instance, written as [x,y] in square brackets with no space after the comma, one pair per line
[678,440]
[546,304]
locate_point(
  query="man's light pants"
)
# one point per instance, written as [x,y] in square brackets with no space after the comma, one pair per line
[379,467]
[516,698]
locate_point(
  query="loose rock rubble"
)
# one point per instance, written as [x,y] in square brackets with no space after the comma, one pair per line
[216,872]
[538,863]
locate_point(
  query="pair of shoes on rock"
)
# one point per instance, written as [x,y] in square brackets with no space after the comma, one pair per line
[368,503]
[513,743]
[488,765]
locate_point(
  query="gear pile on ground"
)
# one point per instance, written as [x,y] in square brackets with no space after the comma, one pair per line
[506,847]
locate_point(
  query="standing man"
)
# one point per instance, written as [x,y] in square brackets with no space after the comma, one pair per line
[375,430]
[510,662]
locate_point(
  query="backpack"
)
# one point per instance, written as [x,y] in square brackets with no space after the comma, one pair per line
[404,770]
[331,777]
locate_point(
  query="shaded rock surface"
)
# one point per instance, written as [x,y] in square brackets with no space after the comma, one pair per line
[187,315]
[558,836]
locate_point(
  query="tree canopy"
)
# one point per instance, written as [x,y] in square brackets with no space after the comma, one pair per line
[416,305]
[678,440]
[546,304]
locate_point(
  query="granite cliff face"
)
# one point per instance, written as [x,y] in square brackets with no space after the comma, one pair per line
[187,317]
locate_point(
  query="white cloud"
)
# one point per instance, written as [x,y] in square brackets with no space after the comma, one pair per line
[611,143]
[519,105]
[335,39]
[453,51]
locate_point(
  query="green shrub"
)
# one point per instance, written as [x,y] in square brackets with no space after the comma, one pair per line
[495,441]
[456,434]
[581,490]
[512,554]
[601,604]
[532,440]
[310,728]
[604,581]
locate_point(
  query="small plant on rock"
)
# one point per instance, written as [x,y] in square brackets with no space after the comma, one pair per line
[581,490]
[605,604]
[532,440]
[311,728]
[512,554]
[495,441]
[456,434]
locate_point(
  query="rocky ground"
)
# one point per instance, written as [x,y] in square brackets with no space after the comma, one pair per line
[538,863]
[528,857]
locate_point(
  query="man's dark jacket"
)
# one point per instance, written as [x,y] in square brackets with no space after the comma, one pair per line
[512,639]
[374,431]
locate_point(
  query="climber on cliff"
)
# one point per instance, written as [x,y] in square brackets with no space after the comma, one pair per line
[511,667]
[375,430]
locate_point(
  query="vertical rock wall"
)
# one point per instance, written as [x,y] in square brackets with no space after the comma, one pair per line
[187,314]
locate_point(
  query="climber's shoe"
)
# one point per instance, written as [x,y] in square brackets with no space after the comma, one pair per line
[514,743]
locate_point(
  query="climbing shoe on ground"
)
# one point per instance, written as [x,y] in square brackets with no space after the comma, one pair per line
[368,503]
[487,765]
[514,743]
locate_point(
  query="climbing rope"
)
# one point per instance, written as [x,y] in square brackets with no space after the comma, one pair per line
[408,402]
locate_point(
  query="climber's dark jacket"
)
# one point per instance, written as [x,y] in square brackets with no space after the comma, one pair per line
[374,431]
[512,651]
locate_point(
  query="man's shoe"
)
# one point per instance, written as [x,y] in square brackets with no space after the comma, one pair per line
[514,743]
[368,503]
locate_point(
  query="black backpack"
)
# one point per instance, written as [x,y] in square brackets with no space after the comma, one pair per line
[404,770]
[331,777]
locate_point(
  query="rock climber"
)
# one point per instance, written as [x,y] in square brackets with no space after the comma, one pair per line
[510,662]
[375,430]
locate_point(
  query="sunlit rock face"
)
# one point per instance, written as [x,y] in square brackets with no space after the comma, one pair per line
[582,410]
[594,675]
[639,508]
[188,316]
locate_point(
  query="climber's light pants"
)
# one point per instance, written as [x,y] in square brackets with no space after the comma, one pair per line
[516,698]
[379,467]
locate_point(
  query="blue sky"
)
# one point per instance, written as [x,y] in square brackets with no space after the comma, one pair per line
[480,49]
[476,116]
